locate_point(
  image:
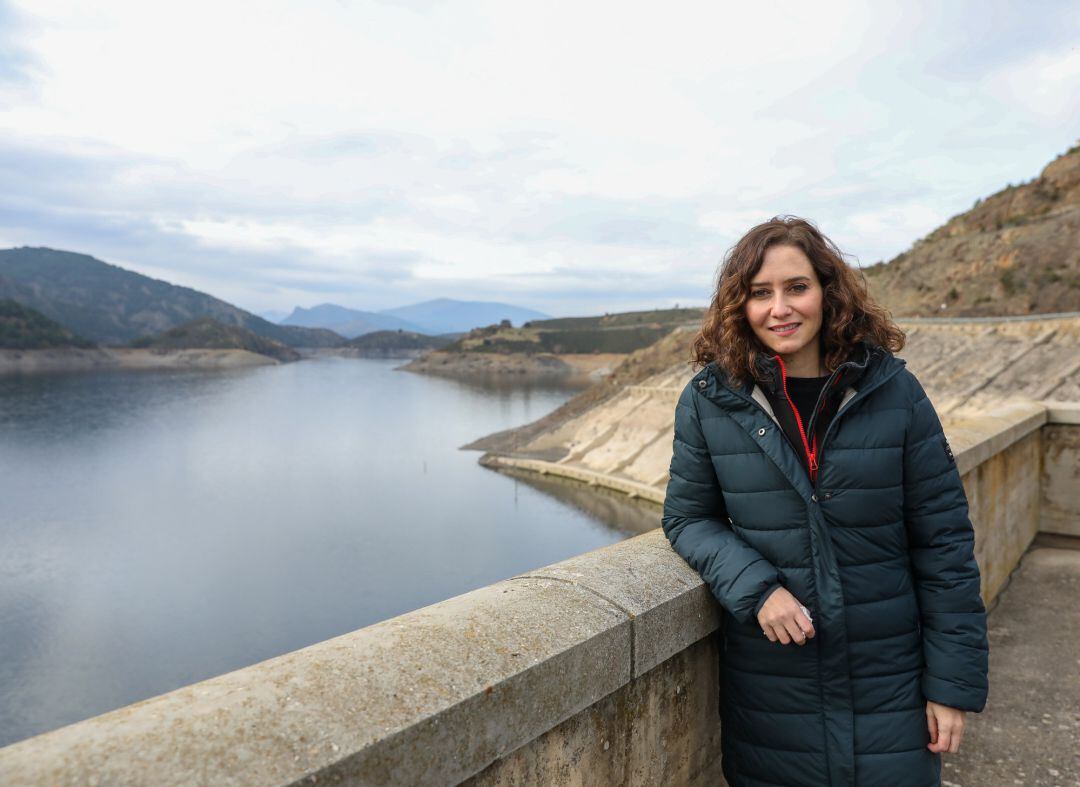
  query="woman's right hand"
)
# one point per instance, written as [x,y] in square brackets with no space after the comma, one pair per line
[782,619]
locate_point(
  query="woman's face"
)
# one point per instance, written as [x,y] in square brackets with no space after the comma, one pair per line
[785,300]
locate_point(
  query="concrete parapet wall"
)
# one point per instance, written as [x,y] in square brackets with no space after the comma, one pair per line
[601,668]
[661,728]
[1003,498]
[430,697]
[1060,481]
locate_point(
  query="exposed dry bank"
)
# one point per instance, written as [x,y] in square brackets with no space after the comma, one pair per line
[71,359]
[582,366]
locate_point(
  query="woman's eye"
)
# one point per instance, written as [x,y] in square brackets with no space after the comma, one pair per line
[758,293]
[800,287]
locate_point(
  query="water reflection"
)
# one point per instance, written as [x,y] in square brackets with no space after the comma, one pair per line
[622,516]
[161,528]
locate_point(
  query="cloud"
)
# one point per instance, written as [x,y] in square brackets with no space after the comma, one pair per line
[591,156]
[16,62]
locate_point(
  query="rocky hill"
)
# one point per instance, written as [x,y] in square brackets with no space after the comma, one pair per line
[207,333]
[1015,252]
[111,305]
[22,328]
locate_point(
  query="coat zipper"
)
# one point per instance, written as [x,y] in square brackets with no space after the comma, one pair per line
[811,452]
[858,395]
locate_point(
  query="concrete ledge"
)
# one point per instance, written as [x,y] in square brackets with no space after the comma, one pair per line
[431,697]
[975,440]
[1062,412]
[668,603]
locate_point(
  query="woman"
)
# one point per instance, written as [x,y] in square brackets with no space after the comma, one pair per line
[813,489]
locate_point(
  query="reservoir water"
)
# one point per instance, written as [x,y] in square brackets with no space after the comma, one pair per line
[159,528]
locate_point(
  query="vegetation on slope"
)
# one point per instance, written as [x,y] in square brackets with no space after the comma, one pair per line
[208,333]
[1015,252]
[610,333]
[389,342]
[23,328]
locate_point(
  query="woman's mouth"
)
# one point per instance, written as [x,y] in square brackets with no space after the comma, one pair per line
[787,329]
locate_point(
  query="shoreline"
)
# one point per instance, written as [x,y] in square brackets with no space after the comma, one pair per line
[585,367]
[356,352]
[74,359]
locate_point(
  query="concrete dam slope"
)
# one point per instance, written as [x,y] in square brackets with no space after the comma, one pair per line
[967,366]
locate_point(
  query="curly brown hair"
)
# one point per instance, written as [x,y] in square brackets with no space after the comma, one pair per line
[849,313]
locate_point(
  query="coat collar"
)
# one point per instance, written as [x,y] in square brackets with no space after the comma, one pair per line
[868,368]
[867,363]
[862,359]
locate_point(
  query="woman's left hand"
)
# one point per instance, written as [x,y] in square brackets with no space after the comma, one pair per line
[946,727]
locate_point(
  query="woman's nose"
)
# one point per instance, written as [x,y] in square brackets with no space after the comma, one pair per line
[780,307]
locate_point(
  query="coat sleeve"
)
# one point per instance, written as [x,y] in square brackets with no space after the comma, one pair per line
[694,521]
[941,542]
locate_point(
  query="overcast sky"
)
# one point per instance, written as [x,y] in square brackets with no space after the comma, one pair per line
[573,157]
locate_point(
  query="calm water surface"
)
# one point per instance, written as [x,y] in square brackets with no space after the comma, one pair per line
[160,528]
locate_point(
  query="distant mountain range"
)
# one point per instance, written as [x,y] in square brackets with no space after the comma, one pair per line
[446,315]
[273,315]
[435,317]
[110,305]
[350,323]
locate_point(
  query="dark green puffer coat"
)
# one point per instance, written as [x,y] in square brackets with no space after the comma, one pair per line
[879,547]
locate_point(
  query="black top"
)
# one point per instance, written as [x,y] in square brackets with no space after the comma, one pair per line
[804,393]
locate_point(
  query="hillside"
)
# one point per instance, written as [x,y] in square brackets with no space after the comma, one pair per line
[1015,252]
[610,333]
[391,344]
[111,305]
[22,328]
[620,320]
[206,333]
[636,368]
